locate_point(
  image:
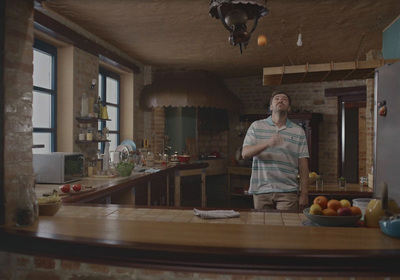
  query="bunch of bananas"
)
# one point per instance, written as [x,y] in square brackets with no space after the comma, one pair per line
[54,198]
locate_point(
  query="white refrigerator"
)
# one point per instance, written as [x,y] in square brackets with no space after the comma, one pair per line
[387,130]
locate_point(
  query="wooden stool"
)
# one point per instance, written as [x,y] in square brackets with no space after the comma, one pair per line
[191,172]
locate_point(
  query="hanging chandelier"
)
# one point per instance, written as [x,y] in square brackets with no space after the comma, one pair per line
[234,15]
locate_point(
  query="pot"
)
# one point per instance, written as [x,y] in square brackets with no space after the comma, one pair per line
[184,158]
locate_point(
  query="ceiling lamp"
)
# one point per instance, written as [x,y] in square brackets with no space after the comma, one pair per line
[234,15]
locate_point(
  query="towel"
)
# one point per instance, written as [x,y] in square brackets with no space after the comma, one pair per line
[216,214]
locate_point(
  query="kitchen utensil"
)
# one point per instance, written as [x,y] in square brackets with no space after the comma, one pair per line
[384,197]
[331,221]
[184,158]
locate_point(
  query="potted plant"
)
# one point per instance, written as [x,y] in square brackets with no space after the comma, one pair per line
[342,182]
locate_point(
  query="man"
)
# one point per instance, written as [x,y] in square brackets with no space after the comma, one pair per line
[279,151]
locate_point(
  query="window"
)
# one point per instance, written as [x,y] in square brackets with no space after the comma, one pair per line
[109,85]
[44,97]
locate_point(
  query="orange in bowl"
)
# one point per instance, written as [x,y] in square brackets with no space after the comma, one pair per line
[355,211]
[322,201]
[334,204]
[329,212]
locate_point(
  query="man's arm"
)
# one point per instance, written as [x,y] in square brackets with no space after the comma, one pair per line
[303,170]
[251,151]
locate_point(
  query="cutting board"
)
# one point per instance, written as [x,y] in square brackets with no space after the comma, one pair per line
[72,192]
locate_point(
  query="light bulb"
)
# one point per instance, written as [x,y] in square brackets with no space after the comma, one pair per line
[299,41]
[94,82]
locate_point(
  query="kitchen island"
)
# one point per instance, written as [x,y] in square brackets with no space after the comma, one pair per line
[175,241]
[157,238]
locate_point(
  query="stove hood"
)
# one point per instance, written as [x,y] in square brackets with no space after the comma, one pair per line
[193,88]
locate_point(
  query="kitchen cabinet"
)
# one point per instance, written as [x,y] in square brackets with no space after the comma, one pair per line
[309,122]
[90,120]
[238,181]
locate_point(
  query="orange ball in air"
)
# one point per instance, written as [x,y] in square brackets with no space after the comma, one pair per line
[262,40]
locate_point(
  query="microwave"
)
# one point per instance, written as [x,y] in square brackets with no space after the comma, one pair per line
[58,168]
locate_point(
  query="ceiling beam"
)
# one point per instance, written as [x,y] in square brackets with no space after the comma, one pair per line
[63,33]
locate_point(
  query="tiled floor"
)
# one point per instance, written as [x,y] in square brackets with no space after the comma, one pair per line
[175,215]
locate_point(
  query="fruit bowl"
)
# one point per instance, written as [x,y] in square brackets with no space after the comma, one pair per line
[49,209]
[311,180]
[331,221]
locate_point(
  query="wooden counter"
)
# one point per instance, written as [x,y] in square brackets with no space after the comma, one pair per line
[153,238]
[121,187]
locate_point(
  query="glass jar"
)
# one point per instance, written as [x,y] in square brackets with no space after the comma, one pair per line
[82,132]
[89,132]
[27,210]
[84,105]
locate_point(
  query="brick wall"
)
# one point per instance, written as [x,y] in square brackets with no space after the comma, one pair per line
[18,86]
[309,97]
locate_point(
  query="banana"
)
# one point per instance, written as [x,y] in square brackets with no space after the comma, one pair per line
[54,198]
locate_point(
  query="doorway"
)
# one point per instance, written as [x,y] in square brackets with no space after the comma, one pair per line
[351,109]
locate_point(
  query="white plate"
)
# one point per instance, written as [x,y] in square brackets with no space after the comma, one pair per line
[124,152]
[129,144]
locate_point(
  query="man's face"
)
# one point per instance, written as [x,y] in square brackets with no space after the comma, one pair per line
[280,102]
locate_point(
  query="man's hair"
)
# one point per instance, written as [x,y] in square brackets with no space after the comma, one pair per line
[279,92]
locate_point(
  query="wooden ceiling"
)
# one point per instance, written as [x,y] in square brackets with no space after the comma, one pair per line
[180,34]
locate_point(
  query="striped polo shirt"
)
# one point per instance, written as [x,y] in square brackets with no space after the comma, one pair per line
[275,169]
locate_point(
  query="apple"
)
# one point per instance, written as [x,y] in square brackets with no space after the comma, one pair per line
[345,211]
[345,203]
[77,187]
[66,188]
[315,209]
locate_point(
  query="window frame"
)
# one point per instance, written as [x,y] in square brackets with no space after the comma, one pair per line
[103,95]
[52,51]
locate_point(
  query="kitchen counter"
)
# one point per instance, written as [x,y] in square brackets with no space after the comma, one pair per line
[257,242]
[102,188]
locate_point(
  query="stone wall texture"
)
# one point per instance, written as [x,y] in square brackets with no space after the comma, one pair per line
[18,84]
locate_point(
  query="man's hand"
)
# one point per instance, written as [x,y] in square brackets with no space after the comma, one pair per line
[251,151]
[303,201]
[276,140]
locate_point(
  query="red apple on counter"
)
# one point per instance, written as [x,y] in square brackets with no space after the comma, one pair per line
[66,188]
[344,211]
[77,187]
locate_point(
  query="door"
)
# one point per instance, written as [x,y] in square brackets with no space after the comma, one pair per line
[387,130]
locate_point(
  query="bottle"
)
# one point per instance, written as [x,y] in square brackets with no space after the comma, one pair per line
[82,132]
[89,132]
[106,157]
[84,105]
[100,106]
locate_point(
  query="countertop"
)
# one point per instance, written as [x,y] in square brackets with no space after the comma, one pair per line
[103,187]
[160,238]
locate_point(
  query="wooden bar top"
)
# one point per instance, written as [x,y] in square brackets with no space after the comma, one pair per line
[122,236]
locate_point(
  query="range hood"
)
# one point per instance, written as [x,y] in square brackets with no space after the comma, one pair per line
[193,88]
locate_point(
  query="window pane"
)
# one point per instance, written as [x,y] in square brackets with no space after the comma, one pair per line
[41,110]
[100,85]
[111,90]
[113,143]
[42,74]
[40,138]
[113,115]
